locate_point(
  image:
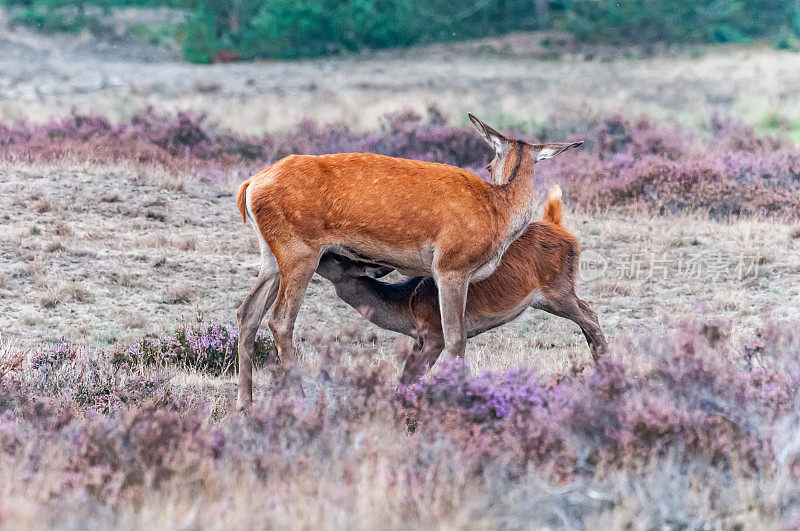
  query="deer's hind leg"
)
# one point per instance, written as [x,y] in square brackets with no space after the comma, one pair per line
[249,316]
[296,271]
[578,311]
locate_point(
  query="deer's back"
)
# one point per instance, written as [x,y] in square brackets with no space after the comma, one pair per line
[374,196]
[372,207]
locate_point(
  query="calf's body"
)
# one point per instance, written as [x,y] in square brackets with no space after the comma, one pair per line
[538,271]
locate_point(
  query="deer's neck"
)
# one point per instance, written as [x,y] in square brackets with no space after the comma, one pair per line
[516,188]
[385,304]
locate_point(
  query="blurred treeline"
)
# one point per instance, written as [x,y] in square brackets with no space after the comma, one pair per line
[286,29]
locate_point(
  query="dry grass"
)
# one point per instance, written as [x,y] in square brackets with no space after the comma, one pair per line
[11,357]
[180,294]
[153,269]
[62,228]
[53,291]
[43,206]
[134,320]
[146,248]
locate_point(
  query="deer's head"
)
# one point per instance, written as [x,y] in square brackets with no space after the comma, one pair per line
[512,156]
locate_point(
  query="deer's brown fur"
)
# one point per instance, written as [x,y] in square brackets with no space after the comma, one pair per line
[421,218]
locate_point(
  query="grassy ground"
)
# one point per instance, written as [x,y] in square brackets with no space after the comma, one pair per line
[100,255]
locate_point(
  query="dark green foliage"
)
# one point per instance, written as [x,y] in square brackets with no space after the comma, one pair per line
[49,15]
[647,20]
[76,15]
[287,29]
[220,30]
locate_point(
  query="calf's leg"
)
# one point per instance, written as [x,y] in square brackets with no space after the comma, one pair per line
[585,317]
[425,353]
[578,311]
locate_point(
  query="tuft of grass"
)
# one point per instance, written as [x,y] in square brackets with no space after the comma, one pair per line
[54,246]
[180,294]
[53,292]
[63,228]
[11,360]
[188,243]
[127,279]
[43,205]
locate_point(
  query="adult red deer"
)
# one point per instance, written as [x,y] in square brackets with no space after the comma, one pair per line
[422,218]
[537,270]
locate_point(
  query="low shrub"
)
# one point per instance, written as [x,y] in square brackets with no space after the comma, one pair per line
[705,426]
[208,348]
[725,169]
[288,30]
[703,415]
[56,355]
[217,30]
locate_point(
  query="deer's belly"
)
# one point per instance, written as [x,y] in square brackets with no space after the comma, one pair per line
[479,324]
[409,262]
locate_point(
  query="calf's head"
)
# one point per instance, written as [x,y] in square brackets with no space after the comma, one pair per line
[338,268]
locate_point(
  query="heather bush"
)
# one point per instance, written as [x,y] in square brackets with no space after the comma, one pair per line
[703,416]
[725,169]
[208,348]
[69,372]
[693,399]
[56,355]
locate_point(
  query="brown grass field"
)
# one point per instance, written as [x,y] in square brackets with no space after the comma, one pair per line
[506,79]
[101,255]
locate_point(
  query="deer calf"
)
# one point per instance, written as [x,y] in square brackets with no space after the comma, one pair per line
[537,270]
[421,218]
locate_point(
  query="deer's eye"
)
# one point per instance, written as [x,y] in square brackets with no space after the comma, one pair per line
[489,166]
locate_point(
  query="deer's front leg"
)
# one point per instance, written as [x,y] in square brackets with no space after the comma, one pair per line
[452,303]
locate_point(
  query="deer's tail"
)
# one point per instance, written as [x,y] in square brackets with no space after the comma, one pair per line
[554,208]
[241,199]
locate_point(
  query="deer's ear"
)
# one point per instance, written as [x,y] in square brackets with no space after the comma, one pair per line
[492,137]
[548,151]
